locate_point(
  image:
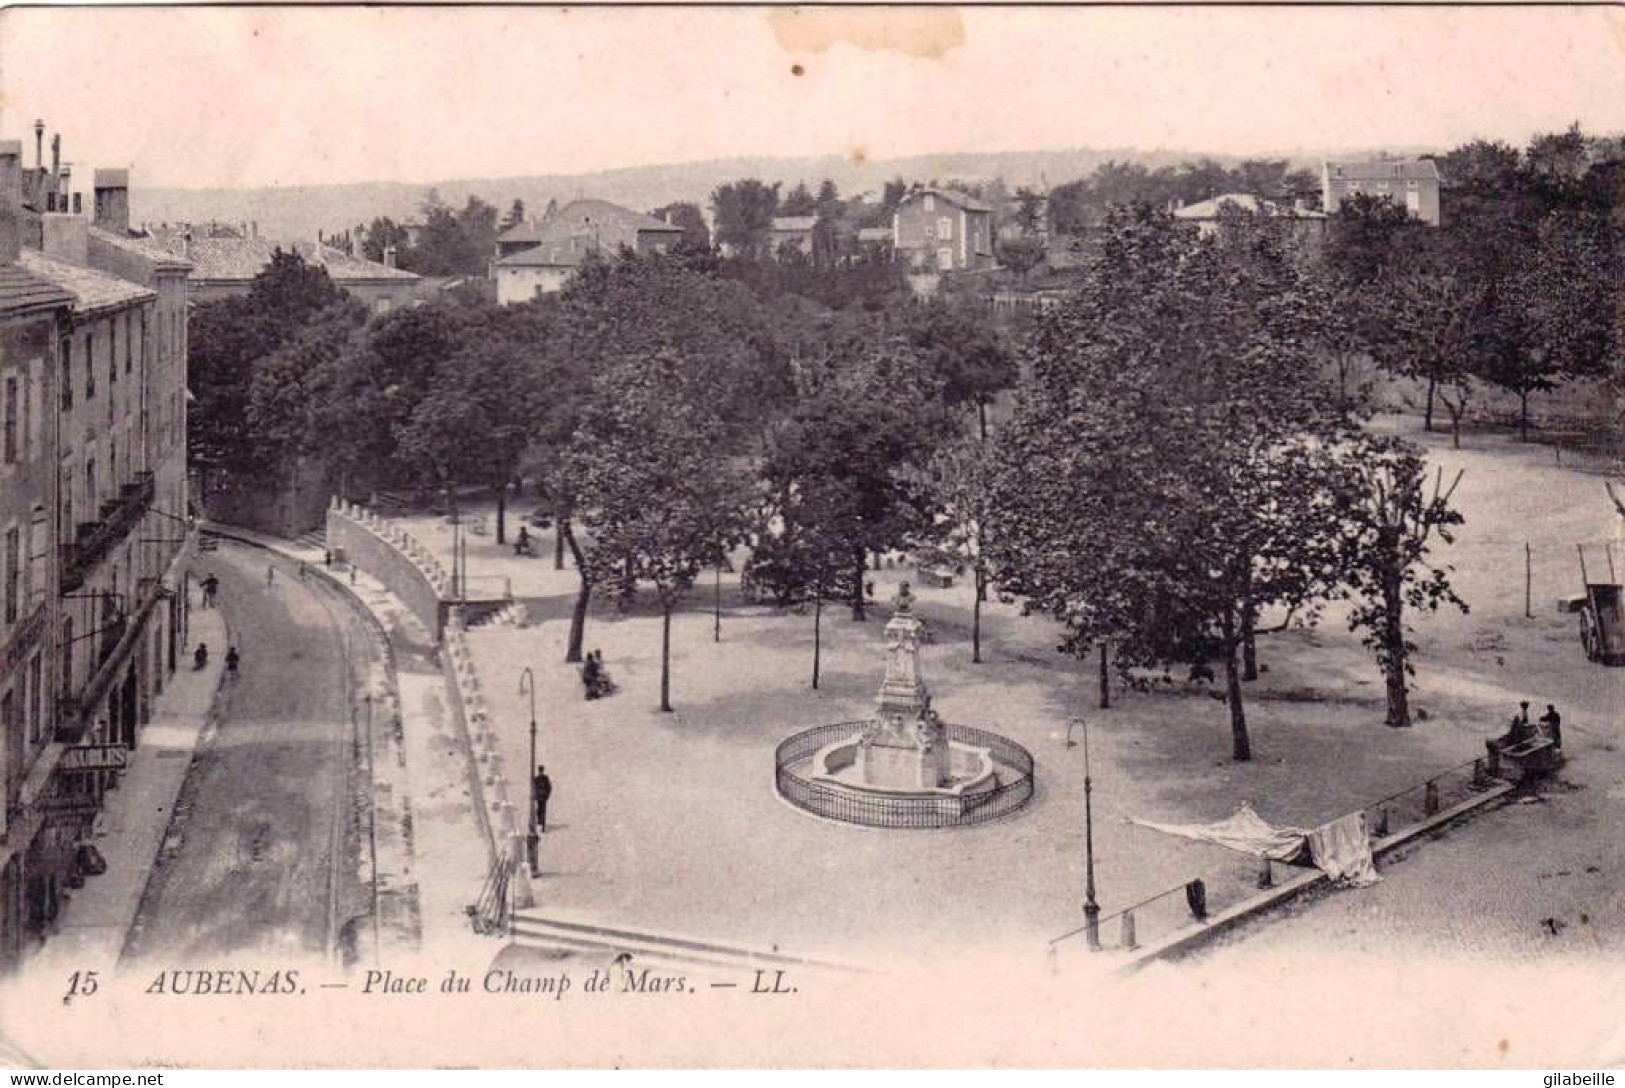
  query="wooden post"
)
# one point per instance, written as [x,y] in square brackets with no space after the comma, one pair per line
[1430,799]
[1129,943]
[1528,581]
[1493,759]
[1105,681]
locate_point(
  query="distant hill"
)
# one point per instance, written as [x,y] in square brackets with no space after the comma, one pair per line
[300,211]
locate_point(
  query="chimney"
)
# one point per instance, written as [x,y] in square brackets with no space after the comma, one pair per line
[39,144]
[11,200]
[78,206]
[112,188]
[56,154]
[389,256]
[66,237]
[186,243]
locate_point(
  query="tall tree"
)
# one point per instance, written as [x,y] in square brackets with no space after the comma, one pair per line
[743,212]
[515,216]
[1391,516]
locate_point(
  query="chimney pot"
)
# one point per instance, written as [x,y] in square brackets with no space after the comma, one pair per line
[11,199]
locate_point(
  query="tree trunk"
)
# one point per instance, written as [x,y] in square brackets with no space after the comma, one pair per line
[858,570]
[976,621]
[578,615]
[818,632]
[665,657]
[1427,414]
[1523,415]
[1249,643]
[981,418]
[1241,749]
[716,604]
[1393,652]
[561,526]
[1105,680]
[502,513]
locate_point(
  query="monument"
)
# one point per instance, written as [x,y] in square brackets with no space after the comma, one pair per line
[905,767]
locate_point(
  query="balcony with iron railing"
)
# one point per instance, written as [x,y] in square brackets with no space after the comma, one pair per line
[118,517]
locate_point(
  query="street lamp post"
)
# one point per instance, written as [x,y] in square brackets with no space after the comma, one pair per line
[1091,909]
[527,686]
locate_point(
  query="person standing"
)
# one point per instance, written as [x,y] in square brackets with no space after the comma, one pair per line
[270,576]
[211,587]
[542,788]
[233,658]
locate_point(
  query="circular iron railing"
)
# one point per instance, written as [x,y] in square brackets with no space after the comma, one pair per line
[1013,788]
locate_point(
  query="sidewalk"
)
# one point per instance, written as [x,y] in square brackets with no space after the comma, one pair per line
[134,821]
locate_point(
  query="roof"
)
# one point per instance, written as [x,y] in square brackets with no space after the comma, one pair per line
[161,258]
[874,234]
[953,196]
[563,253]
[92,291]
[1247,202]
[241,259]
[794,222]
[603,213]
[1384,169]
[22,291]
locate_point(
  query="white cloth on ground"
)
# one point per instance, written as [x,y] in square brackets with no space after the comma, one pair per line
[1342,850]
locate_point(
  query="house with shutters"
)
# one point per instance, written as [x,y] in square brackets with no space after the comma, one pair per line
[1412,184]
[944,230]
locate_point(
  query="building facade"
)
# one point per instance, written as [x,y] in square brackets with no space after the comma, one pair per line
[94,525]
[1413,184]
[944,231]
[536,259]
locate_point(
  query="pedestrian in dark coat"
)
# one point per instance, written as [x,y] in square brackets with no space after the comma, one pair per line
[543,787]
[1552,722]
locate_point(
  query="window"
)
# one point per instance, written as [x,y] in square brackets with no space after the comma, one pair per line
[13,574]
[1410,183]
[64,367]
[945,258]
[129,343]
[112,351]
[945,227]
[11,443]
[65,524]
[67,656]
[91,495]
[90,365]
[36,687]
[144,340]
[39,554]
[930,203]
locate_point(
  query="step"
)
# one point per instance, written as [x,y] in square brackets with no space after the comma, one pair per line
[658,943]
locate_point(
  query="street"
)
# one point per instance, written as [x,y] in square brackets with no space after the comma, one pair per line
[263,852]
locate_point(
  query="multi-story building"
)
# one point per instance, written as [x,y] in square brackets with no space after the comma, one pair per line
[93,391]
[1413,184]
[944,230]
[33,311]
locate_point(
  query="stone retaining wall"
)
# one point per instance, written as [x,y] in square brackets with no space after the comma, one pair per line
[394,557]
[495,800]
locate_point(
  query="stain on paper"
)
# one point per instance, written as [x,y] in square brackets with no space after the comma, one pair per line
[927,33]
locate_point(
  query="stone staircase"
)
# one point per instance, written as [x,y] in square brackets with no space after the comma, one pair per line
[511,614]
[642,949]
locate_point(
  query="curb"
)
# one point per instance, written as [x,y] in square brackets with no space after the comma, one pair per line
[1186,942]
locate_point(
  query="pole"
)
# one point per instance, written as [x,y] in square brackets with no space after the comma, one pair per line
[1585,579]
[716,602]
[527,686]
[1091,909]
[1105,682]
[1528,580]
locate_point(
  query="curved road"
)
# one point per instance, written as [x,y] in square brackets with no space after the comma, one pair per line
[263,852]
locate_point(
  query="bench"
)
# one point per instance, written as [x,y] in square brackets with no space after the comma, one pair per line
[1530,759]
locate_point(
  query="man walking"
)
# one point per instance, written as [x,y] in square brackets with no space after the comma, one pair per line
[232,661]
[542,789]
[211,586]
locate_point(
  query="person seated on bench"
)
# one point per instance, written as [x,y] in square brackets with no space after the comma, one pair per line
[1518,731]
[521,544]
[1551,726]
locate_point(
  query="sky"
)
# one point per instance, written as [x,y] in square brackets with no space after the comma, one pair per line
[209,97]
